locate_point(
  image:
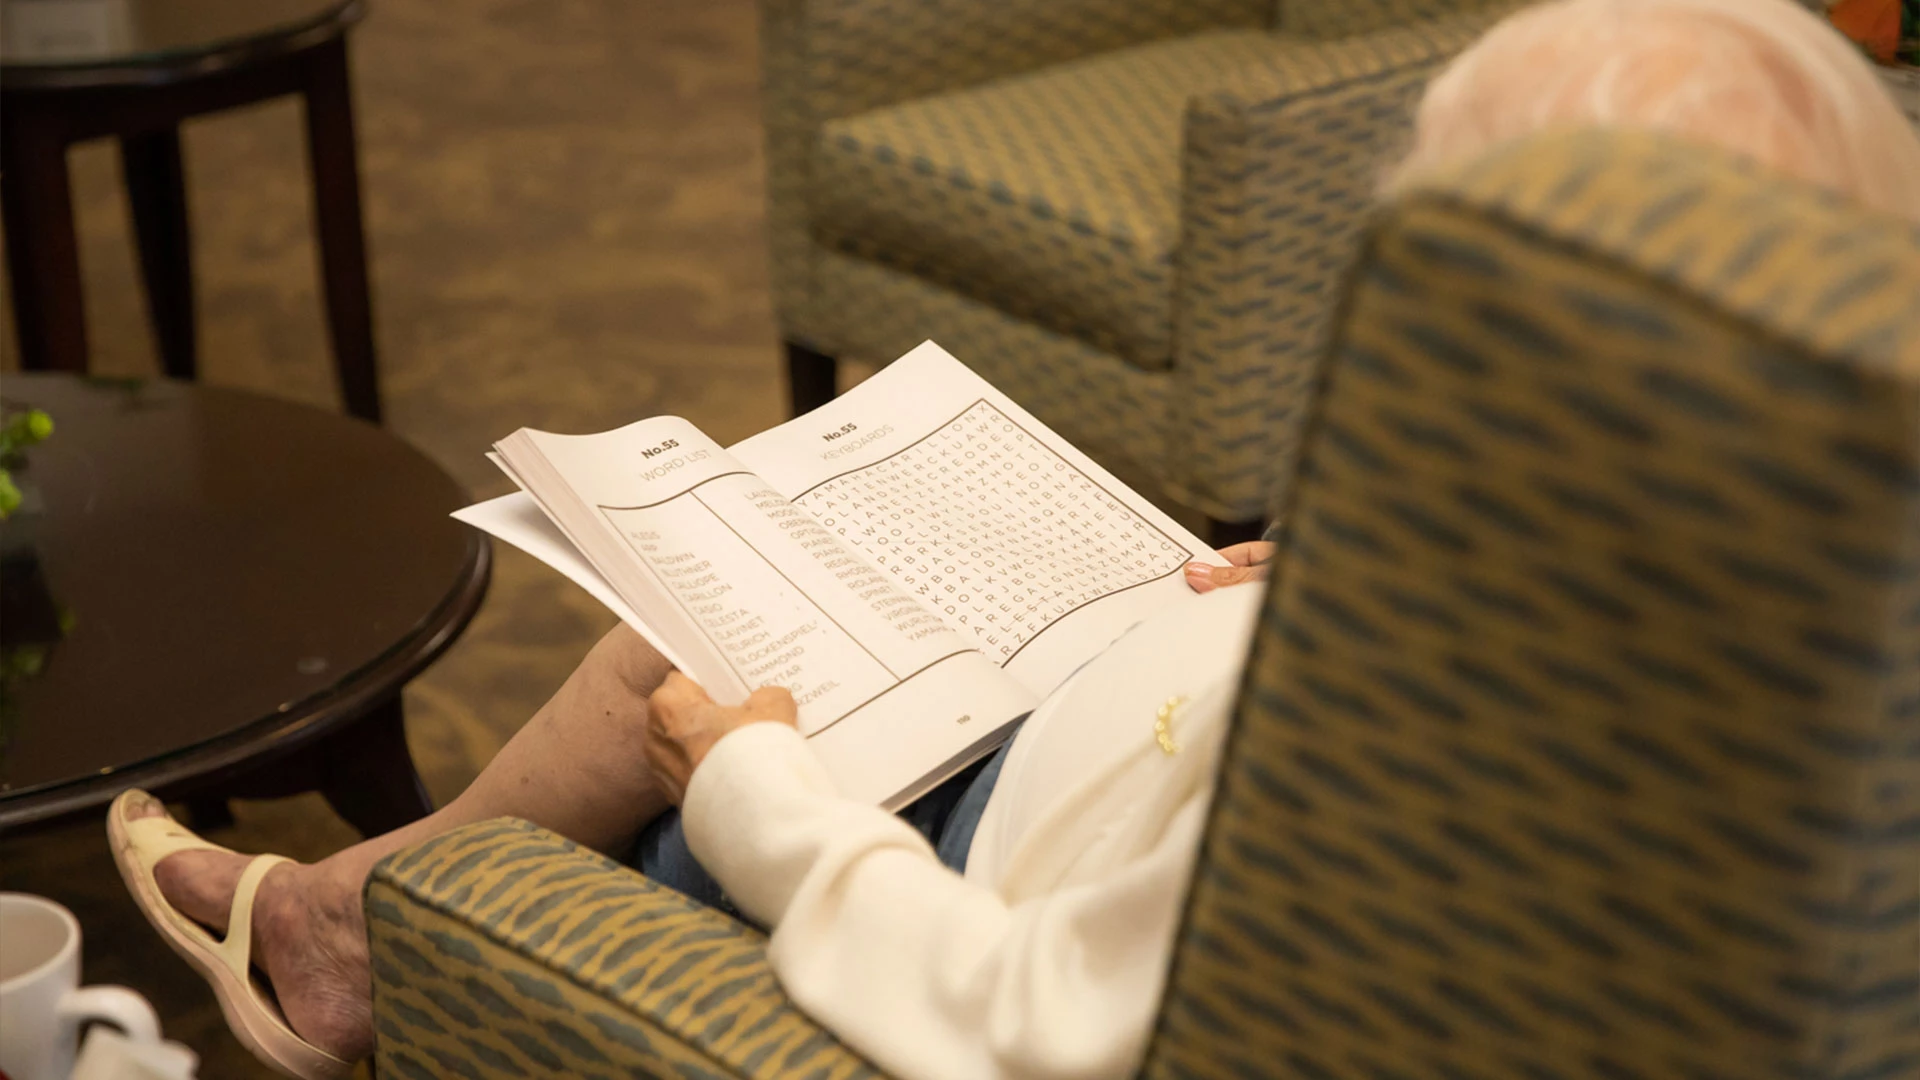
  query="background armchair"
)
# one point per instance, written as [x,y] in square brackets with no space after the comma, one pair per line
[1129,215]
[1578,739]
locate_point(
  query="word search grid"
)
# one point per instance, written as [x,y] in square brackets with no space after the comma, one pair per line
[985,522]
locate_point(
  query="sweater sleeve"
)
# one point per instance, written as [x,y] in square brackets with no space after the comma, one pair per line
[927,974]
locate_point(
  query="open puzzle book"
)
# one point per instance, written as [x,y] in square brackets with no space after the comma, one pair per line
[919,561]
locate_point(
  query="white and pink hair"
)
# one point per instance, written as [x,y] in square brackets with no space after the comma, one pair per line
[1766,78]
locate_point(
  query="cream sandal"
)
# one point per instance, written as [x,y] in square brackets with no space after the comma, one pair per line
[139,845]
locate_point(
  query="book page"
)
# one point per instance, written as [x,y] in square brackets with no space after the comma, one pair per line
[707,552]
[1036,554]
[518,520]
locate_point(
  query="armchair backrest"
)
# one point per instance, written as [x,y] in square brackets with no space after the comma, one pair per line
[825,59]
[1344,18]
[1581,738]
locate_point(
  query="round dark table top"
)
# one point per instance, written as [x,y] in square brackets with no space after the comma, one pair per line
[65,44]
[236,575]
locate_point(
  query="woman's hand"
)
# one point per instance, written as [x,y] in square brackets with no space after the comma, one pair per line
[683,723]
[1250,563]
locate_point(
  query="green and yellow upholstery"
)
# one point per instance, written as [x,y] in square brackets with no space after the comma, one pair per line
[1129,215]
[1341,18]
[503,950]
[1581,736]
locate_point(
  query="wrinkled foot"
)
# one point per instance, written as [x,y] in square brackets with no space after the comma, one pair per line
[311,946]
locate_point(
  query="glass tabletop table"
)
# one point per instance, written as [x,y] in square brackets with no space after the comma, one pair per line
[62,42]
[207,592]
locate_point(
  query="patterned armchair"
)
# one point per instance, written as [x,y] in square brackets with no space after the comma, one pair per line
[1130,215]
[1581,738]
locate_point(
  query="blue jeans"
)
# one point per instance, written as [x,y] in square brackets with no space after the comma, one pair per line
[947,816]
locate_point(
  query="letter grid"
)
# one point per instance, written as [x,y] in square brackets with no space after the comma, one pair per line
[991,528]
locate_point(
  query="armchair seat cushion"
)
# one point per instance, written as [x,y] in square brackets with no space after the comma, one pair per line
[1054,196]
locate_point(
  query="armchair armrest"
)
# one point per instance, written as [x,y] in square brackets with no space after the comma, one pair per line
[503,950]
[1280,167]
[827,59]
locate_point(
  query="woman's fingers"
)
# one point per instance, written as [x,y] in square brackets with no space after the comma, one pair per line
[1251,553]
[773,703]
[679,693]
[1250,563]
[1203,577]
[684,723]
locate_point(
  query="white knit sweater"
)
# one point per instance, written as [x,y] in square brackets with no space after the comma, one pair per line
[1047,959]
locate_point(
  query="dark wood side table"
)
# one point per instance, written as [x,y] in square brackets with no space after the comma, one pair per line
[220,594]
[72,70]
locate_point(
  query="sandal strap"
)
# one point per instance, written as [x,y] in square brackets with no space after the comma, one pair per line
[157,837]
[236,951]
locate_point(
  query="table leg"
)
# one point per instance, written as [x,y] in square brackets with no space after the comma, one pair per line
[208,813]
[43,254]
[334,161]
[811,378]
[157,194]
[370,778]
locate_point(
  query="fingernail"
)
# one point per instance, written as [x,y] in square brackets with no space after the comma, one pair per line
[1199,570]
[1224,575]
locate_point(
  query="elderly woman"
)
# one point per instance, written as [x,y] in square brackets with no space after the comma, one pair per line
[1019,920]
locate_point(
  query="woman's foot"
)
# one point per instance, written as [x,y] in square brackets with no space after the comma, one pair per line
[309,937]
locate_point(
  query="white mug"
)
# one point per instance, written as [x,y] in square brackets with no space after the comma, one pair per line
[109,1055]
[42,1006]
